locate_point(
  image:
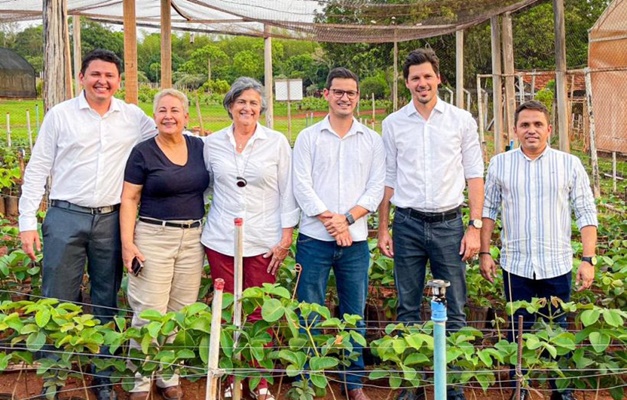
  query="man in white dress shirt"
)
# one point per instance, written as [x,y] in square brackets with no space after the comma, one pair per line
[83,145]
[432,153]
[339,170]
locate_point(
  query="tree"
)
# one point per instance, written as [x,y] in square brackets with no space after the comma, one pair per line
[95,35]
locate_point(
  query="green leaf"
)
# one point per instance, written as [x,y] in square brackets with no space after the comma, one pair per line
[322,363]
[201,324]
[358,338]
[485,357]
[318,380]
[151,315]
[292,370]
[589,317]
[203,349]
[36,341]
[272,310]
[612,317]
[377,374]
[599,341]
[42,317]
[145,343]
[417,358]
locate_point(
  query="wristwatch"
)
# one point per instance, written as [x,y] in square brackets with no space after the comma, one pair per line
[349,218]
[477,223]
[590,260]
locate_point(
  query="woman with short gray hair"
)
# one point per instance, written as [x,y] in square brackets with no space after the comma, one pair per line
[250,174]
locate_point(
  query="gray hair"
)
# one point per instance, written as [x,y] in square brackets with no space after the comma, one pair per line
[241,85]
[174,93]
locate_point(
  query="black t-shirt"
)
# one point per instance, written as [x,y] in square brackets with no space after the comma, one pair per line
[170,191]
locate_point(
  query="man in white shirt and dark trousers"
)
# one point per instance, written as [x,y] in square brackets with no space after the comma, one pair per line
[432,152]
[83,145]
[339,171]
[535,189]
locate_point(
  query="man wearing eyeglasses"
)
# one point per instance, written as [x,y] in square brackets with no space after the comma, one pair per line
[339,172]
[433,152]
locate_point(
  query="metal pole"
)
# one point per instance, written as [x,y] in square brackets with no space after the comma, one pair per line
[519,376]
[238,268]
[438,316]
[214,341]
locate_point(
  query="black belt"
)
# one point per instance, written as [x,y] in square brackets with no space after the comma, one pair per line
[86,210]
[183,225]
[432,217]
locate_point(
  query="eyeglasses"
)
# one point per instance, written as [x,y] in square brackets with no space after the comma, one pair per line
[351,94]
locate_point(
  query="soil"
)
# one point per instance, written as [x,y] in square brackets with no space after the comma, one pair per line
[26,385]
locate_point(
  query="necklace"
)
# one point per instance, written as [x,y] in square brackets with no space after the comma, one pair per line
[240,181]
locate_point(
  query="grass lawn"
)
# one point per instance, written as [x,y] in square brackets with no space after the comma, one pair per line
[214,118]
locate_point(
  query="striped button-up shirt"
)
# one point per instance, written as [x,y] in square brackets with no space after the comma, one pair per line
[536,198]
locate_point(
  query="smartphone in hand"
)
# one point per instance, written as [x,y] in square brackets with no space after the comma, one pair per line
[136,266]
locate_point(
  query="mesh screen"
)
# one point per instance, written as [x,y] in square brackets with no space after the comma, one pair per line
[342,21]
[607,60]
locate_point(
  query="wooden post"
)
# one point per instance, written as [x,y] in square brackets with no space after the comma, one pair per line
[166,44]
[395,78]
[55,56]
[521,89]
[214,341]
[202,129]
[78,58]
[130,52]
[30,131]
[68,57]
[373,106]
[459,68]
[480,120]
[596,179]
[267,72]
[8,130]
[238,272]
[208,68]
[508,66]
[614,171]
[496,84]
[560,74]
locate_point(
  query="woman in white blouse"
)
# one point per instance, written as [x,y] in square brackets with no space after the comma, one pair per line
[250,176]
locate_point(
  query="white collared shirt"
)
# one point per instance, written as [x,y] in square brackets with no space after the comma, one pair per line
[336,174]
[429,161]
[535,199]
[84,153]
[266,203]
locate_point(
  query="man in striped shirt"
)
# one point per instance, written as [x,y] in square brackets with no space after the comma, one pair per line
[535,189]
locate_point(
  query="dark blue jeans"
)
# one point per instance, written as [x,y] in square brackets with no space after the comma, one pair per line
[350,267]
[73,239]
[519,288]
[415,243]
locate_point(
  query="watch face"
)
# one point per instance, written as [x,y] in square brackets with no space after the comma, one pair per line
[477,223]
[592,260]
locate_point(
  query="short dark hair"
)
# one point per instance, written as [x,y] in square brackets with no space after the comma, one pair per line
[242,84]
[421,56]
[103,55]
[533,105]
[341,73]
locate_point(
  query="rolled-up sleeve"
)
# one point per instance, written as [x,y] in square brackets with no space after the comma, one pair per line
[472,159]
[492,201]
[37,172]
[581,198]
[390,154]
[289,209]
[302,163]
[373,195]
